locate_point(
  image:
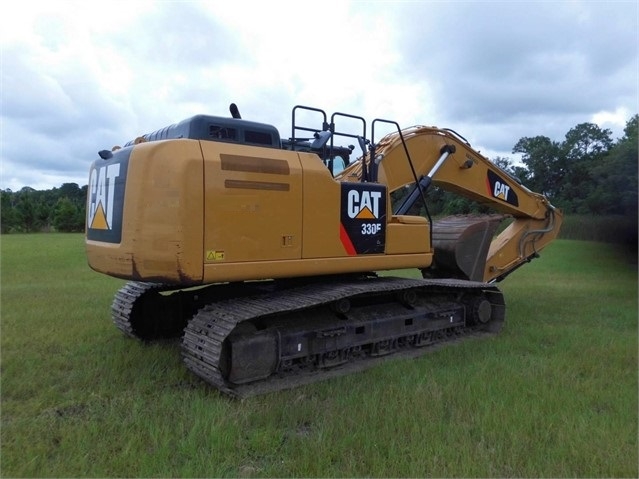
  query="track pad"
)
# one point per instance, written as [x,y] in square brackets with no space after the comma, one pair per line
[253,356]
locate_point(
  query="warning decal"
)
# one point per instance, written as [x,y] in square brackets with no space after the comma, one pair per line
[213,255]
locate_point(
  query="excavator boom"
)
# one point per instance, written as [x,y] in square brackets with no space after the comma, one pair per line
[419,157]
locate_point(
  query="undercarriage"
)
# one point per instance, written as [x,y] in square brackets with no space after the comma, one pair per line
[251,338]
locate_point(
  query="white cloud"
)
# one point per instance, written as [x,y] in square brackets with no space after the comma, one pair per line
[78,77]
[614,120]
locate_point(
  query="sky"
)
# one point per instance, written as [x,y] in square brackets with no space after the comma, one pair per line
[79,77]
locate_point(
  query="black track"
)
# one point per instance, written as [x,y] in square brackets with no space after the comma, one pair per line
[205,335]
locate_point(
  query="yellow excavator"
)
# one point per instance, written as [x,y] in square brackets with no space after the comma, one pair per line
[270,257]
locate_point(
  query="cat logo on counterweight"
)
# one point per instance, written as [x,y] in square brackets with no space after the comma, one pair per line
[105,198]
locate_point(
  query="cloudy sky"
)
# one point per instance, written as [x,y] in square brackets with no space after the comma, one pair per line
[79,77]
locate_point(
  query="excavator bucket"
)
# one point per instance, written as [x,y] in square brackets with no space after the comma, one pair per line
[461,245]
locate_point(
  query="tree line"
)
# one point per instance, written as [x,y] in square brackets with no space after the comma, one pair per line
[586,173]
[29,210]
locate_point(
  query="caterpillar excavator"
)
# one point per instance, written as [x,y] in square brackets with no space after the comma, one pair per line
[275,260]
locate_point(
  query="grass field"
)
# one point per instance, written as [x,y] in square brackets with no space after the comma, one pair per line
[554,395]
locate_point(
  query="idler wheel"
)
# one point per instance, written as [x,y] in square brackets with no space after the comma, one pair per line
[407,298]
[482,311]
[341,306]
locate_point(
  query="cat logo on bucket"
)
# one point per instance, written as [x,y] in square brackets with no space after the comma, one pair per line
[105,198]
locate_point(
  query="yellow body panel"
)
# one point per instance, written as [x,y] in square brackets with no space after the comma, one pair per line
[161,218]
[322,204]
[197,212]
[276,214]
[253,204]
[407,234]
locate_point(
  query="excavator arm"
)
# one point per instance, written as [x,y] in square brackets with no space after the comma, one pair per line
[419,157]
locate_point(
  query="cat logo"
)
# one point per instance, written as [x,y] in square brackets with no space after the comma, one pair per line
[501,190]
[363,218]
[363,205]
[105,197]
[498,188]
[101,197]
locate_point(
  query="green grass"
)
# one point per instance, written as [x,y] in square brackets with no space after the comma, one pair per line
[554,395]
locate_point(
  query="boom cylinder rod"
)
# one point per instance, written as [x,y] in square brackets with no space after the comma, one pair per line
[424,182]
[447,151]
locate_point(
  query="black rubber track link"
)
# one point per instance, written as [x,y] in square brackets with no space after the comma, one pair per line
[204,337]
[135,302]
[141,311]
[151,311]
